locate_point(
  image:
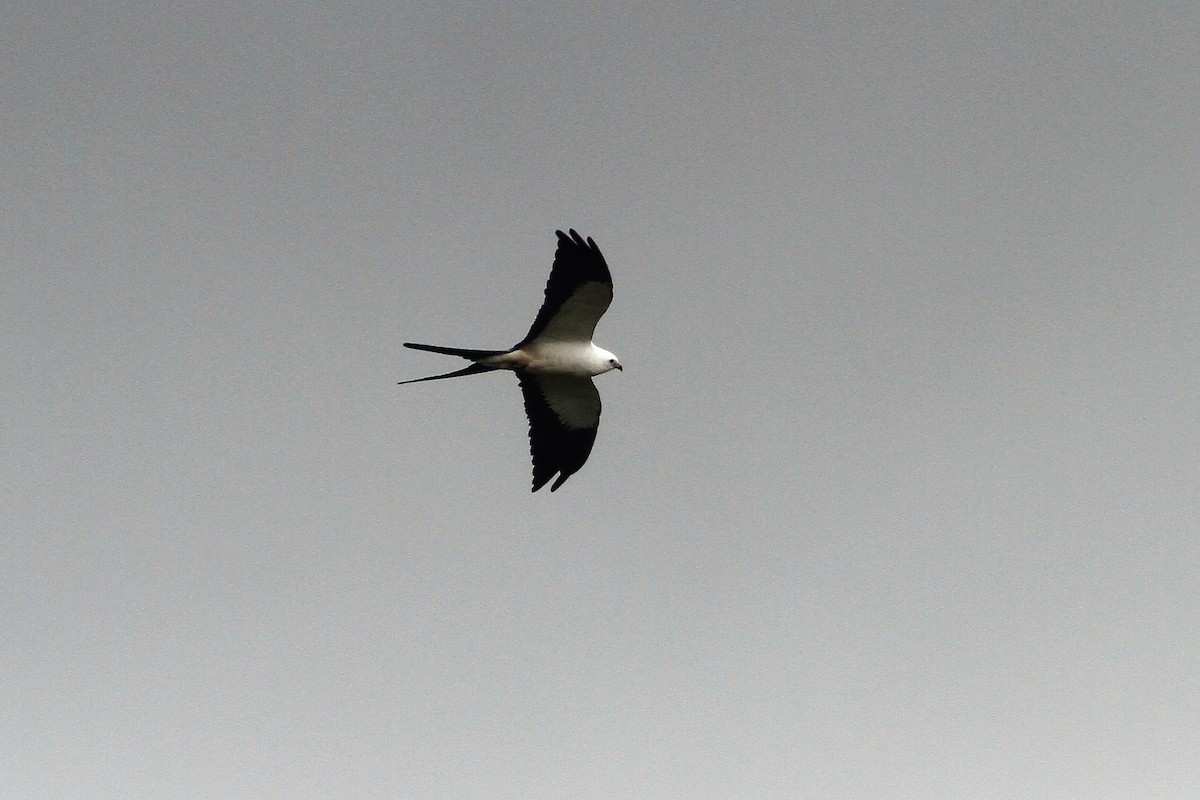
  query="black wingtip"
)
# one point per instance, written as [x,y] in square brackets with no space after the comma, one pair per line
[572,236]
[538,484]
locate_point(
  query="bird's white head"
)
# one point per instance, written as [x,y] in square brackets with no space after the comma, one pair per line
[604,361]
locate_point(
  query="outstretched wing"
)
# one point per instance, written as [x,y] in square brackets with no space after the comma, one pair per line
[577,294]
[564,413]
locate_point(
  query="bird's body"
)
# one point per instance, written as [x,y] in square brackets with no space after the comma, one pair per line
[556,361]
[554,358]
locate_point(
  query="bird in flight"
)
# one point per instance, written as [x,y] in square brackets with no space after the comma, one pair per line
[556,361]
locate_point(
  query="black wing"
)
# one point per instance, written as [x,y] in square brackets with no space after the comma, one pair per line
[578,292]
[564,413]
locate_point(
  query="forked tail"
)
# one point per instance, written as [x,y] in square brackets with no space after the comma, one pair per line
[473,355]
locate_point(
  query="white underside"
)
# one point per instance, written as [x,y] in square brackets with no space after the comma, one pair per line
[545,356]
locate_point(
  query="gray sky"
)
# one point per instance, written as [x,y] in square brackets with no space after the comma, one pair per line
[895,498]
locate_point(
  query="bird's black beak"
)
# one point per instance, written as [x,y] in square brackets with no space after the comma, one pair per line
[620,368]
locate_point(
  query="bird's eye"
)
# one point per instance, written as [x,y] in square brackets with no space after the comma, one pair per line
[612,361]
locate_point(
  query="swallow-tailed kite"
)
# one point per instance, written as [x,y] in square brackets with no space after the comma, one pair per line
[556,361]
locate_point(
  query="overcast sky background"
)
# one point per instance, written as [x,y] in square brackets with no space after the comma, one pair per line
[895,498]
